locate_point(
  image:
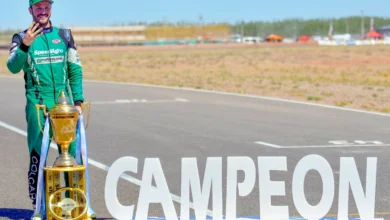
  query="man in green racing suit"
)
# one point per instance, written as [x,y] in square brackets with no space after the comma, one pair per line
[48,57]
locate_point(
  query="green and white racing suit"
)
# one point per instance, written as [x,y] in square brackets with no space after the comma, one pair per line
[50,64]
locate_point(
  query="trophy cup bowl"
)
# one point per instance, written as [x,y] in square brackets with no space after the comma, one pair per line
[63,119]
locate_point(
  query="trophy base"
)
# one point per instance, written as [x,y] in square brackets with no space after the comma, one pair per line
[65,160]
[66,199]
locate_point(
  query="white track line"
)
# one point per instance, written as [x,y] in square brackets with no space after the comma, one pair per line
[232,94]
[136,101]
[322,146]
[181,100]
[338,145]
[101,166]
[241,95]
[268,144]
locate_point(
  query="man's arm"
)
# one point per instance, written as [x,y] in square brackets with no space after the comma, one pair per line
[75,72]
[18,54]
[20,44]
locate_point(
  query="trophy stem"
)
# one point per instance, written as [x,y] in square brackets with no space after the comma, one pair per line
[65,159]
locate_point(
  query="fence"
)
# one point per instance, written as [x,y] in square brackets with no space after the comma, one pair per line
[353,42]
[108,35]
[151,35]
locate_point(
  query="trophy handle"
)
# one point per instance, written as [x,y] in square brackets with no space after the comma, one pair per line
[89,111]
[39,117]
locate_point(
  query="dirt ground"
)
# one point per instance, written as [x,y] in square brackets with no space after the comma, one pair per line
[350,76]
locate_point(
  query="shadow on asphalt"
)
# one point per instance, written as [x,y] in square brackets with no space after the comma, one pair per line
[23,214]
[15,213]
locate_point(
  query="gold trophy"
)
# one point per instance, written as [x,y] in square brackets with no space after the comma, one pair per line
[69,200]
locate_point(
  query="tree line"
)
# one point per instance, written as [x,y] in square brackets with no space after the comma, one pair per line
[297,27]
[292,27]
[287,27]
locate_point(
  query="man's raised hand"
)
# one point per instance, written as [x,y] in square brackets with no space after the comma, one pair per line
[32,33]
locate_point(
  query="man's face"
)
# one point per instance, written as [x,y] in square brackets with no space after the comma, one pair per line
[41,12]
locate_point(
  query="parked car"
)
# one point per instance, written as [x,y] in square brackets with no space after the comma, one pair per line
[274,38]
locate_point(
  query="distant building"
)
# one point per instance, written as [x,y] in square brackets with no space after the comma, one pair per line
[341,37]
[385,30]
[252,40]
[356,36]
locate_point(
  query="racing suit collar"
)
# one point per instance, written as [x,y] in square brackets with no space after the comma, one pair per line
[49,29]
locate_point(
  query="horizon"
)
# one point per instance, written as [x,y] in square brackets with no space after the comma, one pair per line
[176,22]
[91,13]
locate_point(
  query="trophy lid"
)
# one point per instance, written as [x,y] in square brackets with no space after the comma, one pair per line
[63,105]
[63,99]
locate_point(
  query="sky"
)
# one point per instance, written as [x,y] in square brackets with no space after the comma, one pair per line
[67,13]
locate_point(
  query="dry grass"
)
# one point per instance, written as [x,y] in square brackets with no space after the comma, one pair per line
[357,77]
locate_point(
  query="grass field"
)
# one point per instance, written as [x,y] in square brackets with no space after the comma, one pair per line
[356,77]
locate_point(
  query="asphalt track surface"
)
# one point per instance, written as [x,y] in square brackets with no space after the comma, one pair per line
[170,124]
